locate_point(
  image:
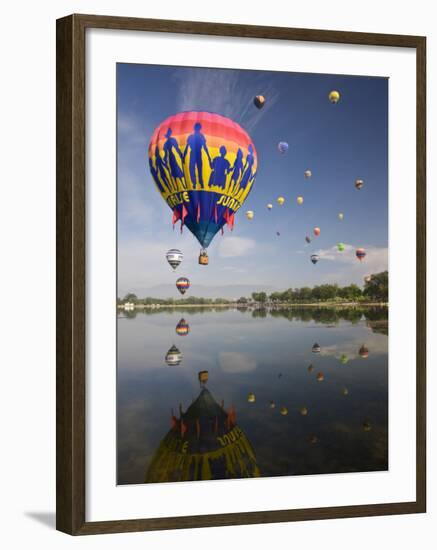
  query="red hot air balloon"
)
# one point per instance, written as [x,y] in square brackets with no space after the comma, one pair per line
[316,231]
[360,253]
[182,284]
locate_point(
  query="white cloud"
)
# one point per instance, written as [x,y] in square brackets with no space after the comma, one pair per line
[376,257]
[232,362]
[231,247]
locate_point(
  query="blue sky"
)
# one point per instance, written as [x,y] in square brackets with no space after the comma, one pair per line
[338,143]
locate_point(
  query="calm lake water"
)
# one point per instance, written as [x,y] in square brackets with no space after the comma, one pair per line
[335,424]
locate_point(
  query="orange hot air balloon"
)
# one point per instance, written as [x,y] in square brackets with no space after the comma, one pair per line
[316,231]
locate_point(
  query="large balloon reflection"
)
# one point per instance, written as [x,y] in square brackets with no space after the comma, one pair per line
[204,442]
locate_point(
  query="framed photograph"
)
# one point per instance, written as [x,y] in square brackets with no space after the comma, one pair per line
[240,274]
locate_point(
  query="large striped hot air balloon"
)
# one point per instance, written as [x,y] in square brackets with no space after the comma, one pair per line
[204,166]
[182,284]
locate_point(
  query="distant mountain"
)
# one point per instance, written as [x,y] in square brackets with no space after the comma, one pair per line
[200,291]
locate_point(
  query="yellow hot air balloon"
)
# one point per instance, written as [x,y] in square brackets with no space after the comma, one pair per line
[334,96]
[251,398]
[284,411]
[249,214]
[299,200]
[269,206]
[340,216]
[280,201]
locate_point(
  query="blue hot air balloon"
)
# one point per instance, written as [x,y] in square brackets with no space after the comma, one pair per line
[282,147]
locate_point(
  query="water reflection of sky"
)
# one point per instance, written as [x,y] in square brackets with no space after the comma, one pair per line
[269,356]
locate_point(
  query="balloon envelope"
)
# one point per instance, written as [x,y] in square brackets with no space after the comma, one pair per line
[174,257]
[269,206]
[359,184]
[249,214]
[315,258]
[334,96]
[360,254]
[259,101]
[182,284]
[282,147]
[299,200]
[280,201]
[308,239]
[204,166]
[307,173]
[340,247]
[316,231]
[182,328]
[340,215]
[173,357]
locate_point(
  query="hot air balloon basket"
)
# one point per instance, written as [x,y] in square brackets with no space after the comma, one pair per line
[203,258]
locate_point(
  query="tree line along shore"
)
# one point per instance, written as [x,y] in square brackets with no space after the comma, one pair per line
[374,293]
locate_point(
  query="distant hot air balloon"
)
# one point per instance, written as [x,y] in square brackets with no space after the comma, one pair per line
[259,101]
[284,411]
[204,166]
[251,398]
[307,173]
[315,258]
[308,239]
[303,411]
[340,247]
[278,234]
[316,348]
[320,377]
[313,439]
[340,216]
[280,201]
[299,200]
[367,278]
[182,284]
[316,231]
[360,253]
[344,359]
[359,184]
[272,404]
[269,206]
[282,147]
[367,426]
[173,357]
[182,328]
[174,257]
[310,368]
[250,214]
[363,352]
[344,391]
[334,96]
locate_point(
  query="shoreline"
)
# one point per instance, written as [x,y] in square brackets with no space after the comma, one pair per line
[281,305]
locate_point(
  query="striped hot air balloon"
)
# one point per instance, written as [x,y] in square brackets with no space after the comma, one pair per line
[315,258]
[174,257]
[182,328]
[204,166]
[173,357]
[182,284]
